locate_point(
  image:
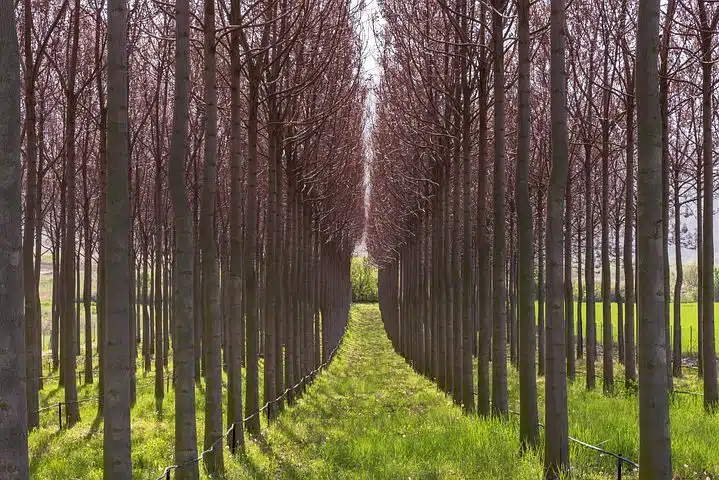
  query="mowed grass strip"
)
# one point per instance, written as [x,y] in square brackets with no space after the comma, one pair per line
[371,417]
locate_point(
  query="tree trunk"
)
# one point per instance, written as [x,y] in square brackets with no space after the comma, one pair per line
[654,442]
[556,447]
[32,320]
[529,417]
[234,367]
[183,346]
[591,325]
[630,371]
[607,339]
[499,310]
[69,345]
[568,287]
[13,395]
[677,352]
[118,364]
[252,402]
[540,286]
[711,390]
[212,337]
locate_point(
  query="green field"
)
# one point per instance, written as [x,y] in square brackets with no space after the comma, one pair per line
[370,416]
[689,324]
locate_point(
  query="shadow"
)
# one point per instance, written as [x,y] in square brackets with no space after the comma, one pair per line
[94,427]
[251,467]
[286,470]
[42,449]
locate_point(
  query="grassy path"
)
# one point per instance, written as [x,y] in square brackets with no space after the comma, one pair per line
[370,416]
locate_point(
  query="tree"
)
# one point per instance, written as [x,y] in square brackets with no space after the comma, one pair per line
[711,388]
[499,313]
[529,428]
[183,345]
[210,272]
[654,441]
[13,395]
[117,342]
[556,443]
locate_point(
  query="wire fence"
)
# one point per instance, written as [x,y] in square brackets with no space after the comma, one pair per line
[138,386]
[167,472]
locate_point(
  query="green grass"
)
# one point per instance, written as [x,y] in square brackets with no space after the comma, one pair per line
[689,323]
[370,416]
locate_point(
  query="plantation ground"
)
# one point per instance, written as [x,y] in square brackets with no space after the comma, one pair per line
[370,416]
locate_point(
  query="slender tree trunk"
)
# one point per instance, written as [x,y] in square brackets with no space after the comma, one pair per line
[568,287]
[664,109]
[540,286]
[654,442]
[556,444]
[483,254]
[580,296]
[183,345]
[13,394]
[118,364]
[630,371]
[529,417]
[711,389]
[87,283]
[700,268]
[252,402]
[499,310]
[591,330]
[234,367]
[69,346]
[467,324]
[32,320]
[677,352]
[210,274]
[618,292]
[607,339]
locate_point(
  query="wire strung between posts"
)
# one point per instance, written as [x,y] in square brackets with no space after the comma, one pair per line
[93,399]
[620,458]
[167,471]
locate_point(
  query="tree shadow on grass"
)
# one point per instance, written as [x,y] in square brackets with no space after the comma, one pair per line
[94,427]
[41,450]
[284,468]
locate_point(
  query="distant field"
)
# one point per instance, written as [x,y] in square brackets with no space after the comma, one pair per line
[689,322]
[689,315]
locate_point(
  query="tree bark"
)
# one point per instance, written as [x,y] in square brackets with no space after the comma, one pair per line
[212,337]
[118,363]
[711,389]
[529,417]
[500,400]
[556,444]
[183,346]
[13,395]
[654,442]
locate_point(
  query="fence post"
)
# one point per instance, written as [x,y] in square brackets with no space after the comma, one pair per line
[167,475]
[59,413]
[232,445]
[619,467]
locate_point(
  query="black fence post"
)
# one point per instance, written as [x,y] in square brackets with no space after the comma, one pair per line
[232,445]
[59,413]
[619,467]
